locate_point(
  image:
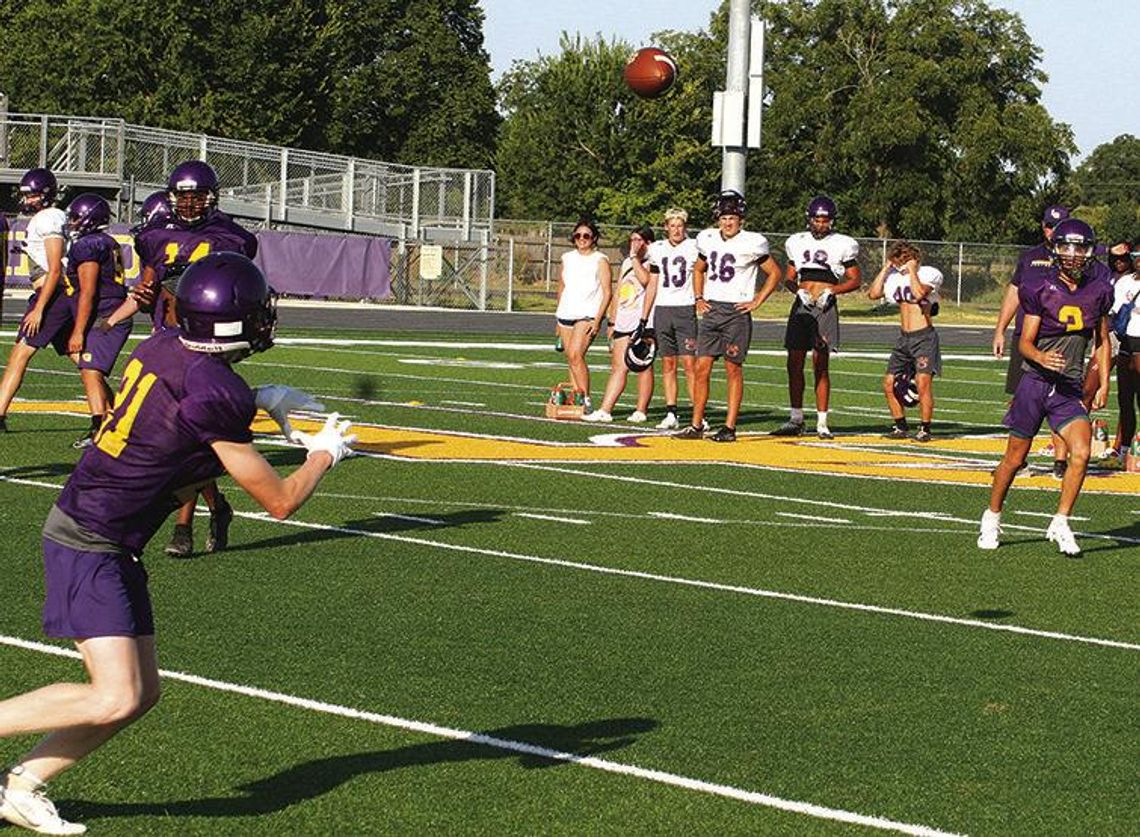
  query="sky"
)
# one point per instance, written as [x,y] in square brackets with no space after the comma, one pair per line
[1087,46]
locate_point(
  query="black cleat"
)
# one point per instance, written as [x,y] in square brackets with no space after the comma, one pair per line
[896,433]
[1059,468]
[725,434]
[789,428]
[690,432]
[220,519]
[181,542]
[3,424]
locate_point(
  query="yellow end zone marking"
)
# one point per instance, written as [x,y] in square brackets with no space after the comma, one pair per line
[949,461]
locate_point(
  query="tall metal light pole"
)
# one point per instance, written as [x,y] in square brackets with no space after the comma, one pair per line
[737,108]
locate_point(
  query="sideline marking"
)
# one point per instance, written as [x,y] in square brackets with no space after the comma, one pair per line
[659,776]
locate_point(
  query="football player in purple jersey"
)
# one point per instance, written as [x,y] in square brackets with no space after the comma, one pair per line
[47,321]
[182,416]
[1064,311]
[166,246]
[1032,264]
[93,283]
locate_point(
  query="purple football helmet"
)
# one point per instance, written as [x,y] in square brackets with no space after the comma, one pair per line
[906,388]
[1073,245]
[86,214]
[729,202]
[224,304]
[155,211]
[193,190]
[40,184]
[821,212]
[641,351]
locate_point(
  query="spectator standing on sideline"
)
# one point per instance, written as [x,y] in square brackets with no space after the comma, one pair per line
[631,315]
[917,356]
[822,264]
[182,415]
[729,259]
[671,260]
[1126,291]
[583,299]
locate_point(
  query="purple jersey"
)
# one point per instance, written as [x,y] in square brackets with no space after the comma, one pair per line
[1068,318]
[173,403]
[177,244]
[169,248]
[103,250]
[1034,264]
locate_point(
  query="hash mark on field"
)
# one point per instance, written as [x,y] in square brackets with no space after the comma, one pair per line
[688,518]
[811,517]
[482,739]
[573,520]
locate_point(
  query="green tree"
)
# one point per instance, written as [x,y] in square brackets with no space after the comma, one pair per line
[1107,184]
[921,117]
[387,79]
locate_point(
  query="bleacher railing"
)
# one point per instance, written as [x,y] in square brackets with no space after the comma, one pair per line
[264,182]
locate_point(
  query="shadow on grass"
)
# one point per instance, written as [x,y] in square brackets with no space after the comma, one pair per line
[524,742]
[366,526]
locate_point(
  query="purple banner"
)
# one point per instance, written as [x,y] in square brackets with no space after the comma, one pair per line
[336,266]
[305,264]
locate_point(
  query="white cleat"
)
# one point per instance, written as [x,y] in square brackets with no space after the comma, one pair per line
[637,417]
[598,415]
[34,811]
[669,422]
[990,535]
[1060,534]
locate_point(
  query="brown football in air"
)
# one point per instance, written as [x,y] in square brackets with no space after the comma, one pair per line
[650,72]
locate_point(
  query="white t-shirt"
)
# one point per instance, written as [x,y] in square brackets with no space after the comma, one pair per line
[673,267]
[50,222]
[732,264]
[581,293]
[1127,288]
[821,259]
[896,287]
[630,299]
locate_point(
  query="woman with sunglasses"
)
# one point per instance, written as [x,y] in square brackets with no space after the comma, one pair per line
[1126,290]
[583,298]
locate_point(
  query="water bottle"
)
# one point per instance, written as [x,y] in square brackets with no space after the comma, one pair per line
[558,343]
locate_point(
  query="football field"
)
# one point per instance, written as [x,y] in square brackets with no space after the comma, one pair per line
[489,622]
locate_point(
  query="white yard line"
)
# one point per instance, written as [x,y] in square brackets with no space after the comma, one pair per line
[431,521]
[811,517]
[526,748]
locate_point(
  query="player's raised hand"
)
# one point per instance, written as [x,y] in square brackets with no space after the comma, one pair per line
[332,439]
[279,401]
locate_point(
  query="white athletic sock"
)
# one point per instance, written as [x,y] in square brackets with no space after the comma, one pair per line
[797,415]
[821,418]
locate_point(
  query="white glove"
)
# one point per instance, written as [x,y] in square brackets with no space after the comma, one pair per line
[823,298]
[331,439]
[278,401]
[805,298]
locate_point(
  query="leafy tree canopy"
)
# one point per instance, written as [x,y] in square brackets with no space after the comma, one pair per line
[921,117]
[398,80]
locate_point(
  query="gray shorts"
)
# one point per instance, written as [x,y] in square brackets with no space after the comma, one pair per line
[813,329]
[676,327]
[724,331]
[918,350]
[1014,372]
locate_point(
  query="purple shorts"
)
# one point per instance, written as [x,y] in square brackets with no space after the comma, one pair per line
[1037,399]
[92,594]
[55,327]
[101,349]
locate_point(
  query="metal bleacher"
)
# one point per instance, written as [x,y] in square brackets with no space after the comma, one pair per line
[267,183]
